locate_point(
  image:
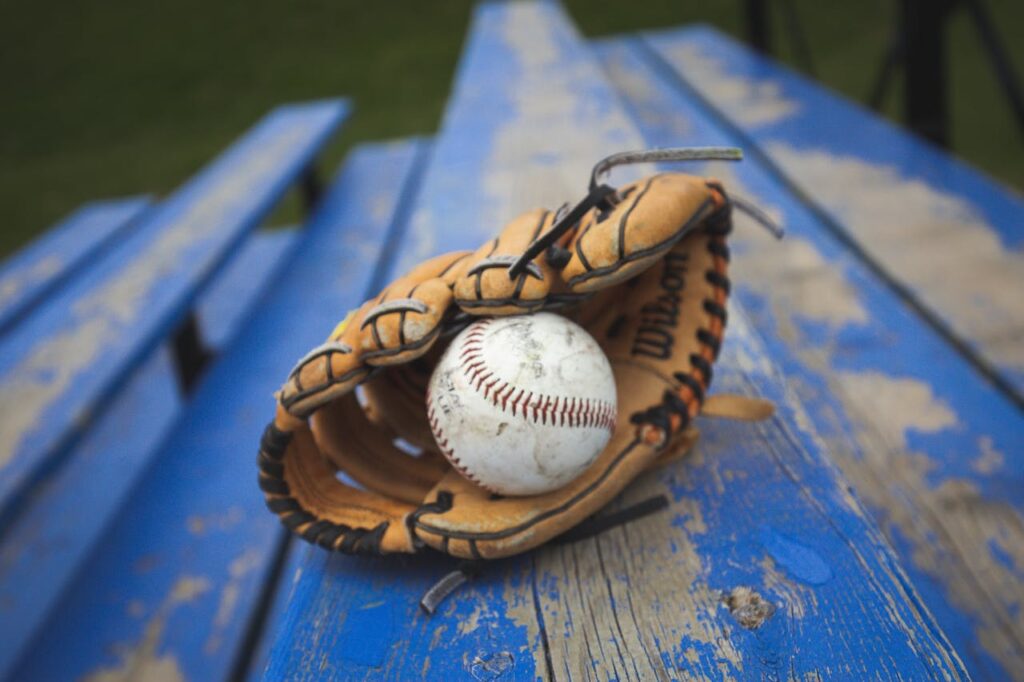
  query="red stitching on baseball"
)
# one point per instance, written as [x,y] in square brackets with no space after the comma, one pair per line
[442,443]
[578,412]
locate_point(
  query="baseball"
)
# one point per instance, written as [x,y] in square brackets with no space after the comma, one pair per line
[522,405]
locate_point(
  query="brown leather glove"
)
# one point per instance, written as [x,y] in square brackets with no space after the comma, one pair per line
[643,268]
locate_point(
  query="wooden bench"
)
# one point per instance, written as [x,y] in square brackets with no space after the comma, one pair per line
[39,270]
[757,509]
[94,376]
[134,543]
[867,308]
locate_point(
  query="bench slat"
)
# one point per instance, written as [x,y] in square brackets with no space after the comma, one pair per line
[45,546]
[60,366]
[947,237]
[37,270]
[295,558]
[222,310]
[756,506]
[929,445]
[174,583]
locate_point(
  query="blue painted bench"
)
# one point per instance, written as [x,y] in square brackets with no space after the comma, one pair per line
[40,268]
[756,513]
[181,580]
[96,368]
[133,539]
[929,441]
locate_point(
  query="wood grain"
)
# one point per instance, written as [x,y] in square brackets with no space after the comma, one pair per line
[759,519]
[49,262]
[174,582]
[947,237]
[924,439]
[57,367]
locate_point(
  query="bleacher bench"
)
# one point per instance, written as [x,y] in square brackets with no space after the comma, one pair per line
[872,529]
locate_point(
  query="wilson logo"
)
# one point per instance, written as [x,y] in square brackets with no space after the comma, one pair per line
[660,317]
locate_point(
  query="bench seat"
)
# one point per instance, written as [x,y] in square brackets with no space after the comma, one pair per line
[943,235]
[756,514]
[41,267]
[927,441]
[179,581]
[91,380]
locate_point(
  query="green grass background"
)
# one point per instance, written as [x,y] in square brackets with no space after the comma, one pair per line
[104,99]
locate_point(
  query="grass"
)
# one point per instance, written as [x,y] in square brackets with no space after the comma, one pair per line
[122,97]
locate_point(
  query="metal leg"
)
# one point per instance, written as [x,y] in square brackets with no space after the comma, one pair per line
[758,25]
[1001,63]
[311,188]
[801,49]
[923,24]
[890,63]
[190,353]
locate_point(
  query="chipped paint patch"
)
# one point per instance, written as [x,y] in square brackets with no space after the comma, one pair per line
[96,321]
[804,283]
[989,459]
[238,569]
[472,622]
[924,236]
[554,117]
[897,404]
[636,86]
[15,282]
[635,602]
[749,102]
[141,661]
[517,597]
[219,522]
[795,598]
[894,480]
[544,150]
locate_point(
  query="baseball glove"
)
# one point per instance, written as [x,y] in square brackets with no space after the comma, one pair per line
[644,268]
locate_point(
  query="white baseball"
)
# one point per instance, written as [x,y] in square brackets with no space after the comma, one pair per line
[522,405]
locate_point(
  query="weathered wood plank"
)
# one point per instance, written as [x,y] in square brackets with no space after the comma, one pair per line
[174,583]
[947,237]
[45,546]
[223,309]
[929,445]
[58,367]
[755,507]
[37,270]
[295,558]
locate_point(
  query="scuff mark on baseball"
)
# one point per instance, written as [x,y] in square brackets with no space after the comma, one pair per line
[522,405]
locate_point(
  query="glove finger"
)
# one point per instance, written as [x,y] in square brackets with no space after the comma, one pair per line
[300,486]
[485,287]
[651,215]
[331,369]
[404,321]
[399,325]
